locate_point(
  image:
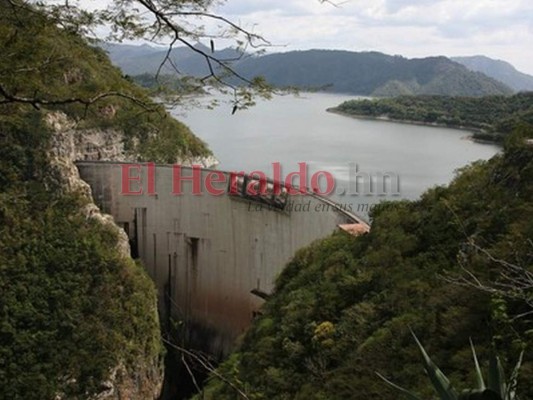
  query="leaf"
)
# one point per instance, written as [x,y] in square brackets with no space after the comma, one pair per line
[496,378]
[479,374]
[406,392]
[441,384]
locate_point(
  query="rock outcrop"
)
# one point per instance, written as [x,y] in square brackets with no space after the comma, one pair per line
[69,145]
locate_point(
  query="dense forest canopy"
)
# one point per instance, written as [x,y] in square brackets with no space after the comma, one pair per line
[492,116]
[343,307]
[71,308]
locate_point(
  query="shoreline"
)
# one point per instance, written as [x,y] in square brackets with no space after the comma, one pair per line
[473,131]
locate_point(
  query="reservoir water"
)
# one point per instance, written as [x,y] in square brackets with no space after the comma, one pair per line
[290,130]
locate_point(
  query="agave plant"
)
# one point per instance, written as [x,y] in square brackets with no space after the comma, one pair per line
[496,388]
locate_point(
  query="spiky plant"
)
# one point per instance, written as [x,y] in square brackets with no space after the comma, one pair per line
[497,388]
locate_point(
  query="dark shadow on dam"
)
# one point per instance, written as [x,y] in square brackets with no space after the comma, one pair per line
[185,375]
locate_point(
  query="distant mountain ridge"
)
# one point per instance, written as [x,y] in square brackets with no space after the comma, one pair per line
[498,69]
[370,73]
[145,59]
[361,73]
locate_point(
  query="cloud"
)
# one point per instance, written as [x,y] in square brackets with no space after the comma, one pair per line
[278,7]
[394,6]
[497,28]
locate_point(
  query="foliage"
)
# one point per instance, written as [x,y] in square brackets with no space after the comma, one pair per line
[71,308]
[173,22]
[53,65]
[498,388]
[490,115]
[362,293]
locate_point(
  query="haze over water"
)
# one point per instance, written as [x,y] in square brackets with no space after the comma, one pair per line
[291,129]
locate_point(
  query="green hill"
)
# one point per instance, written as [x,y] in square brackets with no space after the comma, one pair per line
[342,308]
[145,59]
[370,73]
[365,73]
[492,117]
[499,70]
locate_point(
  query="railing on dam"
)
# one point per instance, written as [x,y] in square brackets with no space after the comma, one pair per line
[209,254]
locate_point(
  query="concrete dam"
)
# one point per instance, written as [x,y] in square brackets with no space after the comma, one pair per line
[213,258]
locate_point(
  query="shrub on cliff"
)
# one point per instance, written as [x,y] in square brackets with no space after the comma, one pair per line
[77,317]
[369,290]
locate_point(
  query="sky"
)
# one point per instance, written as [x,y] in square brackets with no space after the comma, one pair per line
[501,29]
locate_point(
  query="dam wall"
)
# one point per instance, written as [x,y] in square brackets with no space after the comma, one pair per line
[212,258]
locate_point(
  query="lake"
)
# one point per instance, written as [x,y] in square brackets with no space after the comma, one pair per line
[289,130]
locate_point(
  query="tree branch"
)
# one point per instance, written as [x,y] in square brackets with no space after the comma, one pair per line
[515,281]
[36,102]
[210,59]
[208,367]
[249,35]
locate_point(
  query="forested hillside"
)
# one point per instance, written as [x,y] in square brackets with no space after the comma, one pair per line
[78,316]
[365,73]
[145,59]
[370,73]
[492,117]
[498,69]
[343,307]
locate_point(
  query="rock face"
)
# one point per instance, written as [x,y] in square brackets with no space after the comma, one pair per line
[205,162]
[67,146]
[84,144]
[145,384]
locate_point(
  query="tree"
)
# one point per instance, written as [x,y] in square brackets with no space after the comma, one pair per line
[514,281]
[170,22]
[174,22]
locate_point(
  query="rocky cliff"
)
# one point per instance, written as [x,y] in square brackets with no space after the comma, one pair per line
[69,144]
[78,316]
